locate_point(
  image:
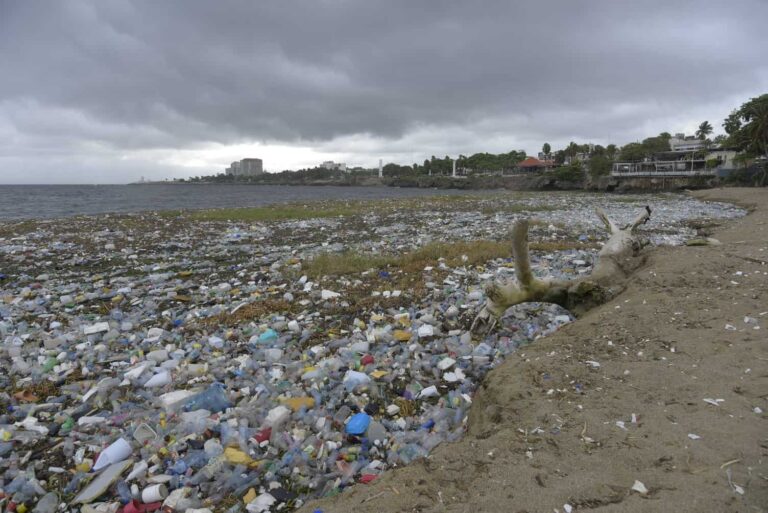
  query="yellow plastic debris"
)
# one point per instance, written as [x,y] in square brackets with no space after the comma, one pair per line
[378,374]
[402,335]
[403,320]
[237,456]
[248,497]
[297,403]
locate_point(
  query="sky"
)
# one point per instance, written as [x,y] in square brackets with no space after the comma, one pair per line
[108,91]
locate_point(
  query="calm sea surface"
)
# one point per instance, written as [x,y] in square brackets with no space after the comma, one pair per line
[51,201]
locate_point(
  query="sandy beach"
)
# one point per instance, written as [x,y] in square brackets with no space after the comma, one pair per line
[665,385]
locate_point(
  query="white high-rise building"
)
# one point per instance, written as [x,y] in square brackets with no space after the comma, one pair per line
[246,167]
[329,164]
[251,167]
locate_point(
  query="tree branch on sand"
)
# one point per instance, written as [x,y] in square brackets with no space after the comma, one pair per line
[618,258]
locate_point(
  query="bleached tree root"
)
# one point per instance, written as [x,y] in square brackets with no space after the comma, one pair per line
[618,258]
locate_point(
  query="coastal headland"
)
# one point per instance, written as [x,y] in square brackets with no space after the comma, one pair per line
[515,182]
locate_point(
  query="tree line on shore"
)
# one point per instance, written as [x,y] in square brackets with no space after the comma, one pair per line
[746,130]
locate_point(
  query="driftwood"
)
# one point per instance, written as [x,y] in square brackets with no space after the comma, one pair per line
[618,258]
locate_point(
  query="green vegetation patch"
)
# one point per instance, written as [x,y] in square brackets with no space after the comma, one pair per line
[515,208]
[487,204]
[454,253]
[10,229]
[276,212]
[348,262]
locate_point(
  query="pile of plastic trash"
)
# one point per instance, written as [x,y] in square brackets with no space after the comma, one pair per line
[153,363]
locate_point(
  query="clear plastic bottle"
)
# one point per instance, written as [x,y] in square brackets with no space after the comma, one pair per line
[48,503]
[124,492]
[213,399]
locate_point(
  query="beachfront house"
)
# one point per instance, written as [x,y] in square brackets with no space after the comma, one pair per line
[581,156]
[688,156]
[683,143]
[532,165]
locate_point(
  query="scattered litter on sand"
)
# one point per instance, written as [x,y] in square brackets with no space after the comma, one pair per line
[157,362]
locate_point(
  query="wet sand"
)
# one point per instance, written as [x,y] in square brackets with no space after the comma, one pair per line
[625,394]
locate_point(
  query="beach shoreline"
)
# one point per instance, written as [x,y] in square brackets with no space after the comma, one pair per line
[630,392]
[387,288]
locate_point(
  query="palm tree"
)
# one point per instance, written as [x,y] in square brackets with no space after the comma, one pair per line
[704,130]
[756,126]
[747,128]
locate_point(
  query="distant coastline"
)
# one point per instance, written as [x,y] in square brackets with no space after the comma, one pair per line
[551,181]
[240,184]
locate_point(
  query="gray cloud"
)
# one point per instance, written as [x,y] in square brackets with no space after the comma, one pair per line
[106,78]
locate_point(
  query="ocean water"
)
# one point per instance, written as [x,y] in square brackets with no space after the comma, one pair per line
[54,201]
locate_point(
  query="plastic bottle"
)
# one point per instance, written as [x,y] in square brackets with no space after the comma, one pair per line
[48,503]
[5,448]
[74,484]
[213,399]
[124,491]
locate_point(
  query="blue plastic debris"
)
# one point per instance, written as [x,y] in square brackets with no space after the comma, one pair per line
[428,425]
[358,424]
[268,336]
[213,399]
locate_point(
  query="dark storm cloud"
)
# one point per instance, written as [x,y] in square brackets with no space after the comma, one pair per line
[139,75]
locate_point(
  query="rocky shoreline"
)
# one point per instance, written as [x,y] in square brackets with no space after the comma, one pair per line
[519,182]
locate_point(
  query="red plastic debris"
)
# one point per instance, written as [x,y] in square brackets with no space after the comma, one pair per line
[264,434]
[367,478]
[137,507]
